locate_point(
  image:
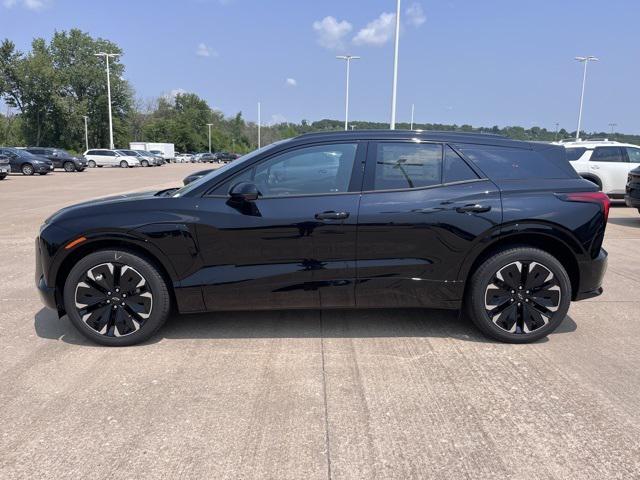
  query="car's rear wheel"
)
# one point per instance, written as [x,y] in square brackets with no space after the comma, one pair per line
[116,298]
[69,167]
[519,295]
[144,163]
[91,164]
[27,169]
[124,164]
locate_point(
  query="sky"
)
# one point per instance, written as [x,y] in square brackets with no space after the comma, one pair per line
[477,62]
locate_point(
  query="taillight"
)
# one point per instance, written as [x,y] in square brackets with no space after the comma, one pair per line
[589,197]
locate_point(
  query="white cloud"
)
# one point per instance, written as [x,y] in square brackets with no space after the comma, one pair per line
[377,32]
[204,50]
[415,15]
[278,118]
[171,95]
[331,32]
[34,5]
[291,82]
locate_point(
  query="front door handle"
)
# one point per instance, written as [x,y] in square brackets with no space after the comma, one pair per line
[473,208]
[332,215]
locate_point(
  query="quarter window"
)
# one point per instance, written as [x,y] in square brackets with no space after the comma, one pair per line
[607,154]
[455,168]
[407,165]
[574,154]
[633,154]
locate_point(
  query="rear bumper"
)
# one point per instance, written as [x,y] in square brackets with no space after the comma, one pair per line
[591,276]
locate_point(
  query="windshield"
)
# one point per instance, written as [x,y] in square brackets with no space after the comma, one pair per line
[195,184]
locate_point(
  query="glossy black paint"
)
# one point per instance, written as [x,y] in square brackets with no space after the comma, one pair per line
[195,176]
[360,248]
[59,157]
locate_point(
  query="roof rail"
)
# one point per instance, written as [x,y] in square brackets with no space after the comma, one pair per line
[379,130]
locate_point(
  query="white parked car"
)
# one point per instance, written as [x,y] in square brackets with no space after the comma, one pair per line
[100,157]
[145,159]
[604,162]
[183,158]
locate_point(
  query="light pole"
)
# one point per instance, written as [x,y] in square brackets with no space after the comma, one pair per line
[209,125]
[86,132]
[557,126]
[348,59]
[259,121]
[413,109]
[612,126]
[394,92]
[584,60]
[107,56]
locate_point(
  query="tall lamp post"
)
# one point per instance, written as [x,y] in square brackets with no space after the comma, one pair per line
[107,56]
[394,92]
[413,109]
[259,122]
[586,61]
[612,126]
[348,59]
[86,132]
[209,125]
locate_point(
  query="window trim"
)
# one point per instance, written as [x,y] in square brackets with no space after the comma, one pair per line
[356,173]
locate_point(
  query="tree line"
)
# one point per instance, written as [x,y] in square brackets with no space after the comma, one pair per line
[50,89]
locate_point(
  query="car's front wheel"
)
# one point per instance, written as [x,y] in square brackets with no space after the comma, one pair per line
[27,169]
[144,163]
[69,167]
[124,164]
[519,295]
[116,298]
[91,164]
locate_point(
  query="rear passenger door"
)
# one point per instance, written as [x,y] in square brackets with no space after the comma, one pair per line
[422,208]
[612,166]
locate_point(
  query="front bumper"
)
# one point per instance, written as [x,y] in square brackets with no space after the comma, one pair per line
[5,169]
[591,276]
[43,168]
[47,294]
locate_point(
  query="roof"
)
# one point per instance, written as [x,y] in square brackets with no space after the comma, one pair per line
[440,136]
[596,143]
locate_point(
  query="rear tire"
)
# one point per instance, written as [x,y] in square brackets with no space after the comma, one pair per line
[518,295]
[116,298]
[69,167]
[91,164]
[124,164]
[3,176]
[27,169]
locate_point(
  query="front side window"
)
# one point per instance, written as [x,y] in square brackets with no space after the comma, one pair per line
[633,154]
[305,171]
[407,165]
[607,154]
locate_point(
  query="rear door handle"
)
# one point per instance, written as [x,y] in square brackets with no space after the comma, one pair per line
[332,215]
[473,208]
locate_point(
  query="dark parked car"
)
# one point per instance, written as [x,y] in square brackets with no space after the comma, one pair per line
[205,158]
[5,167]
[26,163]
[61,158]
[196,175]
[225,157]
[632,193]
[506,230]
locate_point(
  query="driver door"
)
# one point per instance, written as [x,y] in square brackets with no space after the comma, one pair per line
[293,247]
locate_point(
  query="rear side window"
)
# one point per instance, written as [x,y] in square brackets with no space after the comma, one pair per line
[455,168]
[407,165]
[633,154]
[574,154]
[608,154]
[508,163]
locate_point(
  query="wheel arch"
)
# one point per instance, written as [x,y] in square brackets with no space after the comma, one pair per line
[550,244]
[155,258]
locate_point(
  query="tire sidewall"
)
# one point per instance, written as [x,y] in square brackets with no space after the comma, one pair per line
[69,167]
[482,276]
[27,169]
[91,164]
[124,164]
[157,284]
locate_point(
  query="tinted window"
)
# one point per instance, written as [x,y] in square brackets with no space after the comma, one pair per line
[508,163]
[607,154]
[92,152]
[312,170]
[574,154]
[455,168]
[407,165]
[633,154]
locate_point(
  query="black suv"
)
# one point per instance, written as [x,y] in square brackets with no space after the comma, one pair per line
[505,230]
[26,163]
[225,157]
[60,158]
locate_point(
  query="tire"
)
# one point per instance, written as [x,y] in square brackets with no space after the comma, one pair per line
[3,176]
[27,169]
[115,320]
[144,163]
[520,317]
[69,167]
[91,164]
[124,164]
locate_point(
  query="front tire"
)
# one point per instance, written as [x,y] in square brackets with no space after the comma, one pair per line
[116,298]
[69,167]
[144,163]
[124,164]
[91,164]
[27,169]
[519,295]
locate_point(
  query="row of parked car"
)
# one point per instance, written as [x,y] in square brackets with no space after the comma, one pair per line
[207,157]
[43,160]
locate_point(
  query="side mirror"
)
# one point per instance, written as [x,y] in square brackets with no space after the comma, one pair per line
[244,192]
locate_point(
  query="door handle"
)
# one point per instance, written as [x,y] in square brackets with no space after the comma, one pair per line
[594,167]
[332,215]
[473,208]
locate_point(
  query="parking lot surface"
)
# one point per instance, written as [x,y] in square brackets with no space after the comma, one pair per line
[309,394]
